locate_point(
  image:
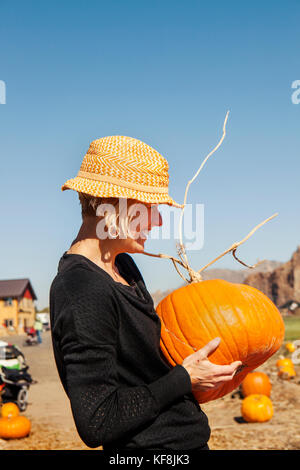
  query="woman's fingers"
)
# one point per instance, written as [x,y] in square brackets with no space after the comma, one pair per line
[227,369]
[208,349]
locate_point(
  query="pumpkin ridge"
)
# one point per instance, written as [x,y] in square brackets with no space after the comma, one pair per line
[266,312]
[205,326]
[217,328]
[248,298]
[225,323]
[177,338]
[257,309]
[269,314]
[241,318]
[172,337]
[186,341]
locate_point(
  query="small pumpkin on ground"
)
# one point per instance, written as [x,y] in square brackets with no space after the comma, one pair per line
[286,372]
[9,410]
[257,408]
[290,347]
[15,427]
[284,362]
[256,383]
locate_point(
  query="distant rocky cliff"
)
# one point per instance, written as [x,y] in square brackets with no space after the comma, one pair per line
[282,284]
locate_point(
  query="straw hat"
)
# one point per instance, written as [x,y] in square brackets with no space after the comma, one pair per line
[119,166]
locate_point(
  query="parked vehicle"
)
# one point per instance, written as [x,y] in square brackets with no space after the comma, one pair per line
[15,379]
[11,356]
[14,386]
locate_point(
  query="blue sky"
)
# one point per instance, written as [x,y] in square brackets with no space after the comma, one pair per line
[165,72]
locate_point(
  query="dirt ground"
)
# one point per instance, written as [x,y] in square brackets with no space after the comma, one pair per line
[53,427]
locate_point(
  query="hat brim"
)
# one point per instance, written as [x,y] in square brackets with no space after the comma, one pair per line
[104,189]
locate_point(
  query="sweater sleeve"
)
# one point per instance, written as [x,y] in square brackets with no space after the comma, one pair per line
[104,411]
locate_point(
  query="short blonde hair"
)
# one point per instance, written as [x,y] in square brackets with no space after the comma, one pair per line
[115,219]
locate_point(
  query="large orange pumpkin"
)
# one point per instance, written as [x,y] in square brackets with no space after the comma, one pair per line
[257,408]
[14,428]
[256,383]
[247,321]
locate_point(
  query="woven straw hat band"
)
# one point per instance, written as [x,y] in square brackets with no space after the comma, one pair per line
[124,184]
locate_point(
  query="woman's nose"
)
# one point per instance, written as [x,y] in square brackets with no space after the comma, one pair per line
[156,218]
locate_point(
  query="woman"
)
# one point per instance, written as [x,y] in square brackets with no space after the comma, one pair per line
[105,331]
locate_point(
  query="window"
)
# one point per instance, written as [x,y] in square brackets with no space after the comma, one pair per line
[8,302]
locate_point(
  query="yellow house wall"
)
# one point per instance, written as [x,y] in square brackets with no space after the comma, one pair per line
[9,312]
[26,312]
[12,312]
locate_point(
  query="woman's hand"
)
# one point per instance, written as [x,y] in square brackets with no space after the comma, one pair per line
[204,374]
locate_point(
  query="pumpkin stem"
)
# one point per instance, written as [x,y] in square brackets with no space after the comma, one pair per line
[194,275]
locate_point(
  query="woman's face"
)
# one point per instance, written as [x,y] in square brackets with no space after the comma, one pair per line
[143,218]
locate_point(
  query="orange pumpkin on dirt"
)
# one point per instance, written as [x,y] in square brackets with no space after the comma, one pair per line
[247,321]
[285,362]
[257,408]
[9,410]
[256,383]
[14,428]
[286,372]
[290,347]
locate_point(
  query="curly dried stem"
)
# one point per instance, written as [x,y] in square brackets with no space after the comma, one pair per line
[181,245]
[234,247]
[244,264]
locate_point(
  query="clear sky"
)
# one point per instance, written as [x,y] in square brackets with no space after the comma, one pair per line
[165,72]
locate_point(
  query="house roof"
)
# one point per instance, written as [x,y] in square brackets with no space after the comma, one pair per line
[15,288]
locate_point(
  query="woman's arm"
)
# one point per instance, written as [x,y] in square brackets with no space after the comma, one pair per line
[104,411]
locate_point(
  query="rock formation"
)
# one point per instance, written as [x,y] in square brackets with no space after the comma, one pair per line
[282,284]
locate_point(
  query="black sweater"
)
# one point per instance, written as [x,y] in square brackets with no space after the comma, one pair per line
[106,335]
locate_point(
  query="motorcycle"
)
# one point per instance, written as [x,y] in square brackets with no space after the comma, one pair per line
[14,386]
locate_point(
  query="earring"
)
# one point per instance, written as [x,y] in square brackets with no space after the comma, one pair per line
[113,231]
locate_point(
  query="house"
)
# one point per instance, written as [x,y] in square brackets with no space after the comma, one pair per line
[17,308]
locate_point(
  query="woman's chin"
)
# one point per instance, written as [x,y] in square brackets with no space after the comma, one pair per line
[137,246]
